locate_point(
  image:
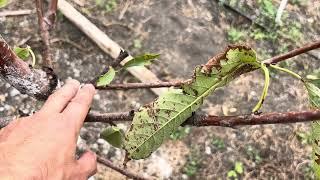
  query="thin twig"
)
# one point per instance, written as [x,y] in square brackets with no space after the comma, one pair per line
[305,48]
[50,17]
[224,121]
[125,172]
[16,12]
[211,120]
[143,85]
[124,10]
[44,33]
[109,117]
[122,55]
[252,119]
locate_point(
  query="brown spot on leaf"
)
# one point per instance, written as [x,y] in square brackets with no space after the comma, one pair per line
[215,61]
[318,158]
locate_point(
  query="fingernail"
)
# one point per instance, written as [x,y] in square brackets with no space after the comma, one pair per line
[73,81]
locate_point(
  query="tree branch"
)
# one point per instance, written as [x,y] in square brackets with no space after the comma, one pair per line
[45,24]
[274,60]
[209,120]
[224,121]
[252,119]
[38,83]
[143,85]
[305,48]
[109,117]
[125,172]
[50,17]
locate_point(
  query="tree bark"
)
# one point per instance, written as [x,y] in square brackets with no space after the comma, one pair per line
[38,83]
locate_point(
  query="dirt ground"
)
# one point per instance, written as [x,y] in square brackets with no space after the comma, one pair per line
[186,33]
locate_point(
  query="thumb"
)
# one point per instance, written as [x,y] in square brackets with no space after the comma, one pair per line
[87,164]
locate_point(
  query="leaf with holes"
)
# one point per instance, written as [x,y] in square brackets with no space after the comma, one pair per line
[154,123]
[141,60]
[113,135]
[314,98]
[107,78]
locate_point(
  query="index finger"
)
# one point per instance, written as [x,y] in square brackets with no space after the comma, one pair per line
[77,109]
[58,100]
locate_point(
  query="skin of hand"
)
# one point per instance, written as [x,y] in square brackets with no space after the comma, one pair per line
[42,146]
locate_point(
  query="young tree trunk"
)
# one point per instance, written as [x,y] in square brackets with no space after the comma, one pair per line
[38,83]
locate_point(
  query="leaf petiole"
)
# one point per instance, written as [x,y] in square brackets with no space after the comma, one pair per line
[265,88]
[32,55]
[287,71]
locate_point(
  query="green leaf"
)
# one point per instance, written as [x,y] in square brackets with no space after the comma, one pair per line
[113,135]
[314,78]
[154,123]
[314,94]
[22,53]
[3,3]
[314,98]
[238,167]
[142,60]
[107,77]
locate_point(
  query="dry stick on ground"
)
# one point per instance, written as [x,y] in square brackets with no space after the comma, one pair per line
[125,172]
[16,13]
[274,60]
[46,22]
[224,121]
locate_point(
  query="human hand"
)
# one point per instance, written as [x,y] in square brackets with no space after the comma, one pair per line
[42,146]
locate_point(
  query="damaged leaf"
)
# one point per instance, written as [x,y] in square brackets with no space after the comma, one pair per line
[154,123]
[314,98]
